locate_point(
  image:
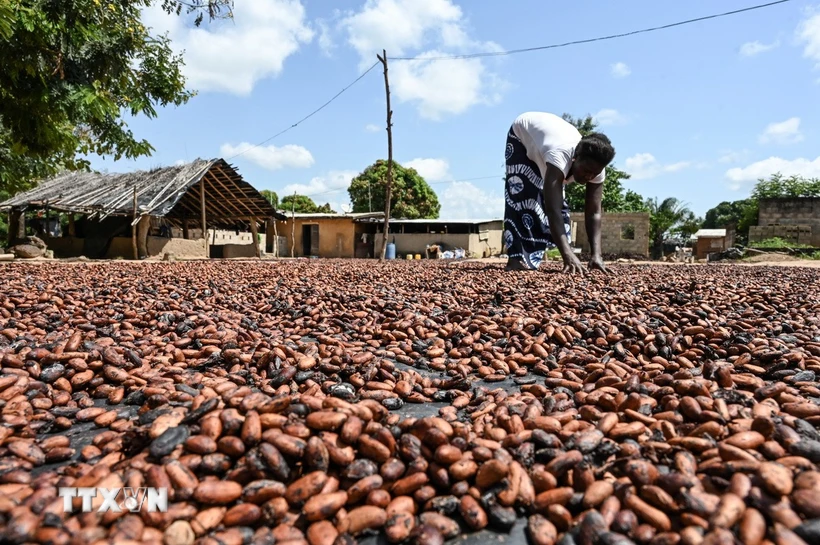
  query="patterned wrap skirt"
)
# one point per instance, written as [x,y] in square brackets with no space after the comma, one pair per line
[526,227]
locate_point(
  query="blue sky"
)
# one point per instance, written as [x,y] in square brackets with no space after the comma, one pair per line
[697,112]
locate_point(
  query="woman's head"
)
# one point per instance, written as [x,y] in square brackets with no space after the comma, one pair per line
[592,155]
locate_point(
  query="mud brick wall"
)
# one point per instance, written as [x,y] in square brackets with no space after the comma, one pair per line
[615,232]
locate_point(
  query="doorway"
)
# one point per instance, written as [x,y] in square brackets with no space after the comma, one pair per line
[310,239]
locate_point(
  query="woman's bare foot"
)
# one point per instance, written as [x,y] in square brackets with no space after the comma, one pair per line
[515,264]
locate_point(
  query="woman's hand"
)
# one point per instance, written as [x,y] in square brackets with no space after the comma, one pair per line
[597,263]
[573,265]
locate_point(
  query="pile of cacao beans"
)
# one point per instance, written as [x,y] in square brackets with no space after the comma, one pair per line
[331,402]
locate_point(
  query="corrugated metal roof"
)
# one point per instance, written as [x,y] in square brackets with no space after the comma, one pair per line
[444,221]
[326,215]
[710,233]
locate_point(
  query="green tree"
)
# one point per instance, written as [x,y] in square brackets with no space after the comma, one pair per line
[666,217]
[72,71]
[688,225]
[742,214]
[615,199]
[779,187]
[271,197]
[216,9]
[303,204]
[411,196]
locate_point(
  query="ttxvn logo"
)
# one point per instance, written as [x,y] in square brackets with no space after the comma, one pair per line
[116,499]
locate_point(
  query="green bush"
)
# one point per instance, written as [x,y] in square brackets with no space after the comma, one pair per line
[775,243]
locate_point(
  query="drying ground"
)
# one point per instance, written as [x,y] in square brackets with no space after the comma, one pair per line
[327,402]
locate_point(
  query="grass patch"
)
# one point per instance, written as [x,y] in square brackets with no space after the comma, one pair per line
[776,243]
[553,254]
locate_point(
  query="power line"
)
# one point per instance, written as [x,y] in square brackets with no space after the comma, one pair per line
[311,114]
[588,40]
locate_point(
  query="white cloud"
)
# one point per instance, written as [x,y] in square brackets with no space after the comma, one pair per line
[733,156]
[180,162]
[325,38]
[808,34]
[271,157]
[643,166]
[784,132]
[765,168]
[372,127]
[464,200]
[231,56]
[323,188]
[445,87]
[432,170]
[620,70]
[751,49]
[609,116]
[424,28]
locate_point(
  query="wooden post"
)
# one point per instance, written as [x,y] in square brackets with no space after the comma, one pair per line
[383,59]
[204,224]
[255,237]
[21,226]
[72,228]
[14,225]
[293,225]
[134,228]
[275,238]
[143,228]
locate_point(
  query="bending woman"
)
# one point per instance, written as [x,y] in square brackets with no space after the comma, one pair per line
[543,153]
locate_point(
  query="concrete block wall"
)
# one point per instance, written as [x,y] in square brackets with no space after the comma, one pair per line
[795,234]
[615,228]
[804,211]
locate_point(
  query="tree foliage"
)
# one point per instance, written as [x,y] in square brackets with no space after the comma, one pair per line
[303,205]
[411,196]
[744,213]
[615,198]
[72,71]
[670,216]
[216,9]
[781,187]
[271,197]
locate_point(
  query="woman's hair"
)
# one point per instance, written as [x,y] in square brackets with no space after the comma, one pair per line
[596,147]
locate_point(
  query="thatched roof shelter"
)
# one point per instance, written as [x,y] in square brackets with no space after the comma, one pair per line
[176,193]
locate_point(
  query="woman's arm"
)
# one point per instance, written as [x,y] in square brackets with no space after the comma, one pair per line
[553,201]
[592,220]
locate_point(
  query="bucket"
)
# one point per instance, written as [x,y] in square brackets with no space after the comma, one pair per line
[390,252]
[418,256]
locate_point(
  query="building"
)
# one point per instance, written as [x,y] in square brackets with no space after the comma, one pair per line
[478,238]
[621,233]
[796,221]
[137,214]
[325,235]
[707,241]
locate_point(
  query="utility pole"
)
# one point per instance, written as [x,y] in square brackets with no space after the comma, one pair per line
[383,59]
